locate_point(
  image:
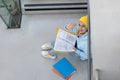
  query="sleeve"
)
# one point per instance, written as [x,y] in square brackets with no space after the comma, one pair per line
[83,53]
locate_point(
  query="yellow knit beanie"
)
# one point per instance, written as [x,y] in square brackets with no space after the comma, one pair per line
[84,19]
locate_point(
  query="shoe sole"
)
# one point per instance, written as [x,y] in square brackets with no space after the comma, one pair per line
[49,57]
[46,49]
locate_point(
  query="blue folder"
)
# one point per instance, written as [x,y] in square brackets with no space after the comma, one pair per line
[64,67]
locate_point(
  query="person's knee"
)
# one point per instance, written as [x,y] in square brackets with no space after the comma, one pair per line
[74,56]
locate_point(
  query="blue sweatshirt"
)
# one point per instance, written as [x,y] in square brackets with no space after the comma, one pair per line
[82,44]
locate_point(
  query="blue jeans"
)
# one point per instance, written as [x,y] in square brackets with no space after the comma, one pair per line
[71,54]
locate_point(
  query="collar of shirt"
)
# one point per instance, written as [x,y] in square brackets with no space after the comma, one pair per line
[86,34]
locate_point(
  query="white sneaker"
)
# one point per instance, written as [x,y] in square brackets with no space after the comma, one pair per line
[47,55]
[47,46]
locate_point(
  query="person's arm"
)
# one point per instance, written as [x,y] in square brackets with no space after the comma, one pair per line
[83,53]
[72,27]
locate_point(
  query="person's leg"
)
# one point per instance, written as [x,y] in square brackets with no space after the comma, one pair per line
[74,56]
[53,43]
[53,53]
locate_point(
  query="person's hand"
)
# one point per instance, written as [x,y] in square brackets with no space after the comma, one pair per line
[78,33]
[71,26]
[74,48]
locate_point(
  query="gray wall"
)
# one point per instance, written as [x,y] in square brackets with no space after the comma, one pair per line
[105,33]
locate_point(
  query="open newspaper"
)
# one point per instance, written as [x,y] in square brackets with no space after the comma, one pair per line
[65,41]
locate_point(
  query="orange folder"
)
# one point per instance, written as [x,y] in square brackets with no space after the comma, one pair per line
[55,71]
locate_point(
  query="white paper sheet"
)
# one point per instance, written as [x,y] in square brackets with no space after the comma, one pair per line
[65,41]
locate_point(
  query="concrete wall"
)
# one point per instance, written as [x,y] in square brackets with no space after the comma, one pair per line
[105,33]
